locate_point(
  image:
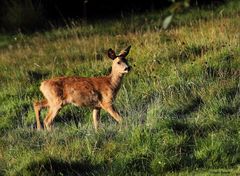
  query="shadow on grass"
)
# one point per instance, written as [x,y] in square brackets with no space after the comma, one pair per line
[2,172]
[73,114]
[139,164]
[51,166]
[193,106]
[34,76]
[194,130]
[229,110]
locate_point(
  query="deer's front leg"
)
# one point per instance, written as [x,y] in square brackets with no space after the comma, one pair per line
[113,112]
[96,118]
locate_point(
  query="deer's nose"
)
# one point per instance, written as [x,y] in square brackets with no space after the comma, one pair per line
[127,68]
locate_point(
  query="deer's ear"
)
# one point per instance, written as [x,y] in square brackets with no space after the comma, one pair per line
[111,54]
[125,52]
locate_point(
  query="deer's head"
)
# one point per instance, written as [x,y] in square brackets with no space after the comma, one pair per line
[120,64]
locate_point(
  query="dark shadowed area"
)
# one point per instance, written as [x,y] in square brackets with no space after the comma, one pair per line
[30,15]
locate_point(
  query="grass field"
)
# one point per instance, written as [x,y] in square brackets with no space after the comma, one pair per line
[180,103]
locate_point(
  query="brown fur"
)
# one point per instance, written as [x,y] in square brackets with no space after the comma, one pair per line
[96,92]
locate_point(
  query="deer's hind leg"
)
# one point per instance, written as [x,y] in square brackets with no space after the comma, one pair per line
[52,112]
[38,105]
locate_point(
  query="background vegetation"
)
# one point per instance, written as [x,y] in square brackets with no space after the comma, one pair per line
[38,15]
[180,103]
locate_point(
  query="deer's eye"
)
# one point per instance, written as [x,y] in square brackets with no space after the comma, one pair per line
[118,62]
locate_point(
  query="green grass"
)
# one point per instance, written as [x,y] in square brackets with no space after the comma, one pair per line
[180,103]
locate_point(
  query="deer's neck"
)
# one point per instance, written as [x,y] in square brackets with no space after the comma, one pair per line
[116,81]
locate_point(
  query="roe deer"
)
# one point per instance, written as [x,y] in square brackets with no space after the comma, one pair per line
[95,92]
